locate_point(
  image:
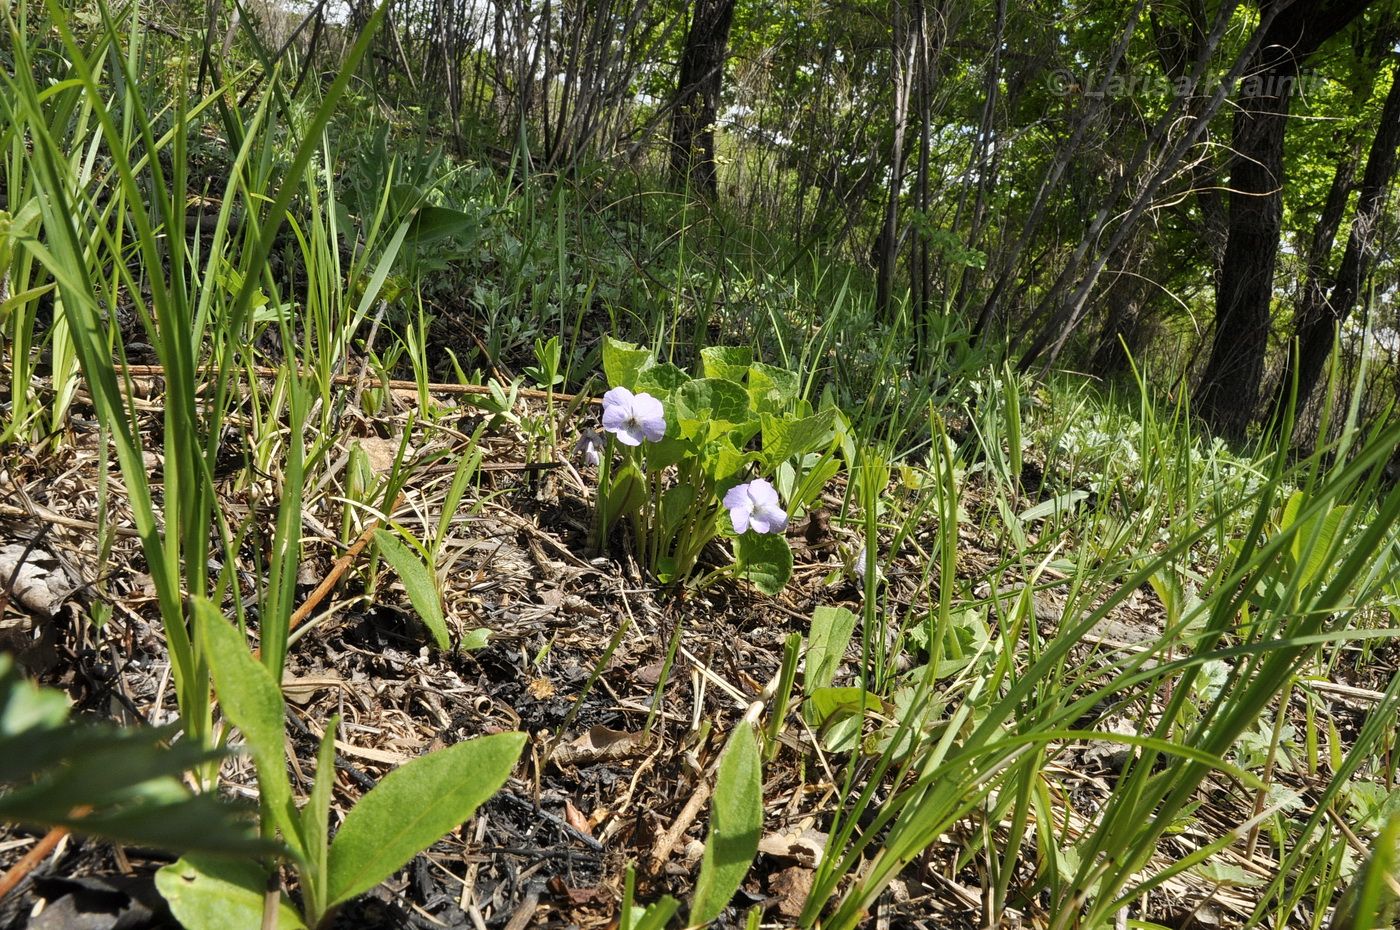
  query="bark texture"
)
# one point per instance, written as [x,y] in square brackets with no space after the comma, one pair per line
[1317,321]
[1228,396]
[697,95]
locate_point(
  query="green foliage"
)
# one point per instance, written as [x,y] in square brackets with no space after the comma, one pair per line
[119,784]
[412,808]
[736,820]
[206,893]
[711,423]
[409,810]
[418,581]
[1271,575]
[763,560]
[826,645]
[654,916]
[252,701]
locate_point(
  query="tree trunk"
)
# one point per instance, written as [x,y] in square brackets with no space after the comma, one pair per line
[1229,390]
[887,241]
[1316,327]
[1242,306]
[697,95]
[1121,338]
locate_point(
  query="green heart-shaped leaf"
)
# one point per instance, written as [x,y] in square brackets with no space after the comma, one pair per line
[764,559]
[728,362]
[785,437]
[623,362]
[661,381]
[711,406]
[771,389]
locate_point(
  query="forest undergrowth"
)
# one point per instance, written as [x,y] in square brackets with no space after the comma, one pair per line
[394,538]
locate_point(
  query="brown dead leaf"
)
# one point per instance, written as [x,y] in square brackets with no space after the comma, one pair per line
[579,897]
[791,887]
[300,690]
[380,453]
[309,573]
[600,744]
[575,818]
[648,674]
[40,584]
[540,688]
[374,755]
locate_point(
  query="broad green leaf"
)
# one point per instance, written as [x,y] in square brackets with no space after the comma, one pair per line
[667,567]
[837,713]
[433,223]
[736,820]
[252,701]
[1320,546]
[764,559]
[661,381]
[626,493]
[418,581]
[129,782]
[826,646]
[413,807]
[771,389]
[723,462]
[1291,508]
[711,406]
[828,704]
[125,781]
[669,451]
[728,362]
[206,893]
[812,481]
[623,362]
[1062,503]
[24,706]
[744,432]
[478,638]
[654,916]
[1228,874]
[784,437]
[1295,503]
[675,504]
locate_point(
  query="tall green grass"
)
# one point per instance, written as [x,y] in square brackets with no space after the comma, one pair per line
[1271,573]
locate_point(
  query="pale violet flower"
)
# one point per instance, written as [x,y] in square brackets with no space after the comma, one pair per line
[633,418]
[859,567]
[755,504]
[586,449]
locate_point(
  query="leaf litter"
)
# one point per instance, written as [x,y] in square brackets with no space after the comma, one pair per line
[552,847]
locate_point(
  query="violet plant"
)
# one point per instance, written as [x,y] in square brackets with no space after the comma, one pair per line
[736,452]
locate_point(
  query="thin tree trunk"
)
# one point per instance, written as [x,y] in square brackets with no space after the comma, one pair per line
[697,95]
[1064,156]
[1121,337]
[887,244]
[1229,391]
[1316,324]
[1066,315]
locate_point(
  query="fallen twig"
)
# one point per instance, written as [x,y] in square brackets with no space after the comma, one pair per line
[338,570]
[394,384]
[37,854]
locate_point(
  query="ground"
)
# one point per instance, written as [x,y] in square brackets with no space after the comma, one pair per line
[621,742]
